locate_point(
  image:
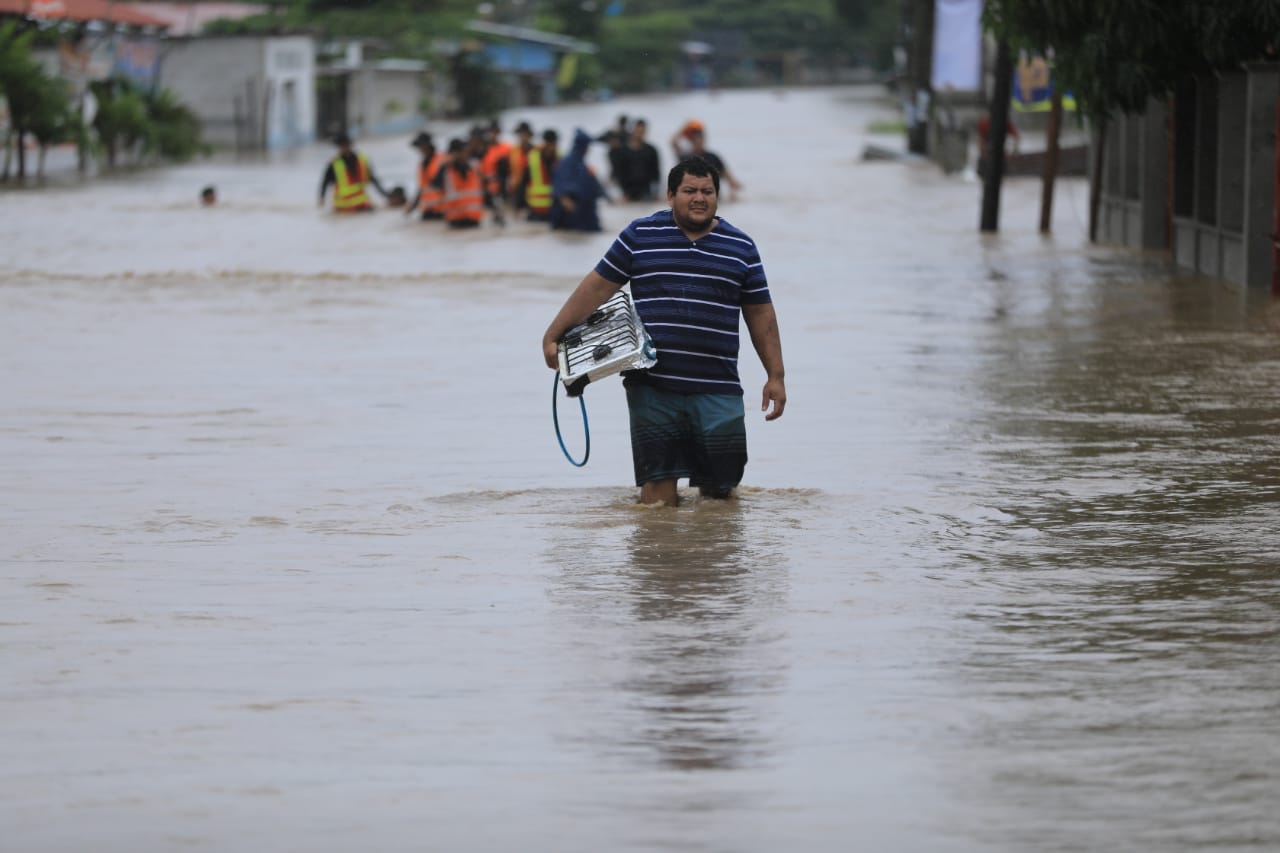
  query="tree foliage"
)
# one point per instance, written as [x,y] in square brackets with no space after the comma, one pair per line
[1116,54]
[39,103]
[640,52]
[639,40]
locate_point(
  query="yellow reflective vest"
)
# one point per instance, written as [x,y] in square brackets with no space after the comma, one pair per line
[537,193]
[349,190]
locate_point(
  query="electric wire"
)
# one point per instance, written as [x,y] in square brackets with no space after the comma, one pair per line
[555,418]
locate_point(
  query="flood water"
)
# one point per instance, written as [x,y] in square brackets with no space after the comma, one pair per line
[292,560]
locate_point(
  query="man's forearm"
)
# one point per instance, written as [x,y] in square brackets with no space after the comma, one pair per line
[589,295]
[762,324]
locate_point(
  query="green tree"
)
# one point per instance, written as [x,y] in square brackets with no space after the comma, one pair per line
[581,19]
[121,120]
[175,129]
[875,26]
[40,104]
[641,52]
[53,118]
[1116,55]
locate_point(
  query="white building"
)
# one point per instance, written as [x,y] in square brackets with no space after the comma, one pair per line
[253,93]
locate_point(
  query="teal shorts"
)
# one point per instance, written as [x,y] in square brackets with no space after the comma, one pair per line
[699,436]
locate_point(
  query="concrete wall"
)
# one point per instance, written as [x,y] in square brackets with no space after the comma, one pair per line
[386,100]
[1134,207]
[291,65]
[251,92]
[221,79]
[1213,206]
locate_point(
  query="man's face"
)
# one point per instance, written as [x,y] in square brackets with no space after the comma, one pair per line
[694,203]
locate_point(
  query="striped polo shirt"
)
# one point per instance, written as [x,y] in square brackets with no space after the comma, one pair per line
[689,295]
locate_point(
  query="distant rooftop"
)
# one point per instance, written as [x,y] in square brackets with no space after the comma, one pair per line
[82,10]
[565,43]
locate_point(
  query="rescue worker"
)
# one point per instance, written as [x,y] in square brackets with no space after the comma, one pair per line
[428,198]
[518,162]
[463,194]
[350,174]
[537,177]
[495,165]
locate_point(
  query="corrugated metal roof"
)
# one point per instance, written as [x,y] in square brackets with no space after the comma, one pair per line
[81,10]
[566,43]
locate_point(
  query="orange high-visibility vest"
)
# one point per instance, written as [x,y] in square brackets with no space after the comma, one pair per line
[538,194]
[429,197]
[349,190]
[517,160]
[463,196]
[489,166]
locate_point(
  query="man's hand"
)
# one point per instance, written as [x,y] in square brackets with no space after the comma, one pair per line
[776,391]
[550,352]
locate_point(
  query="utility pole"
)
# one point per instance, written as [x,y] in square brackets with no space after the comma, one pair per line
[920,75]
[996,137]
[1050,161]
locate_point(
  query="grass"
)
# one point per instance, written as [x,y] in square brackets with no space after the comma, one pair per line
[896,125]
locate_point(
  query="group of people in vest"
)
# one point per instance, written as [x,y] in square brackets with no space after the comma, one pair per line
[529,178]
[485,175]
[478,177]
[485,172]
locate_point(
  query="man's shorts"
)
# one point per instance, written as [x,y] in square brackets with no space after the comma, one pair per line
[699,436]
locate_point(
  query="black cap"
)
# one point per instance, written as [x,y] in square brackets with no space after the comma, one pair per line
[456,145]
[523,127]
[422,140]
[550,135]
[341,139]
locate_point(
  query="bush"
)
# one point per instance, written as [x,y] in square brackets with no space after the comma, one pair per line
[175,129]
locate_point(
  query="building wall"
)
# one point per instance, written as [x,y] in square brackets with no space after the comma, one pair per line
[251,92]
[384,101]
[1198,176]
[222,80]
[290,64]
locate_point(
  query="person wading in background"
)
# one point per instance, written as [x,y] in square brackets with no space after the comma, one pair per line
[536,185]
[464,197]
[639,167]
[350,175]
[428,198]
[575,190]
[692,275]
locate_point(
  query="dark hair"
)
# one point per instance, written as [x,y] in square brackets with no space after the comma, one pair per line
[550,136]
[695,166]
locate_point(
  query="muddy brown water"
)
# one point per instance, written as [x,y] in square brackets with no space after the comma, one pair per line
[292,561]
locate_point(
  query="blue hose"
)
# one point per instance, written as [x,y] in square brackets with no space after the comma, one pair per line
[555,417]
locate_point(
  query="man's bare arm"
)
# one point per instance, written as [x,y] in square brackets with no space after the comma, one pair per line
[762,323]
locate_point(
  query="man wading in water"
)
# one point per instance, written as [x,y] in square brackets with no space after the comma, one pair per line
[691,274]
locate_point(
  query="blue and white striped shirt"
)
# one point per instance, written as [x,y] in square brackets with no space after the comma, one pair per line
[689,295]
